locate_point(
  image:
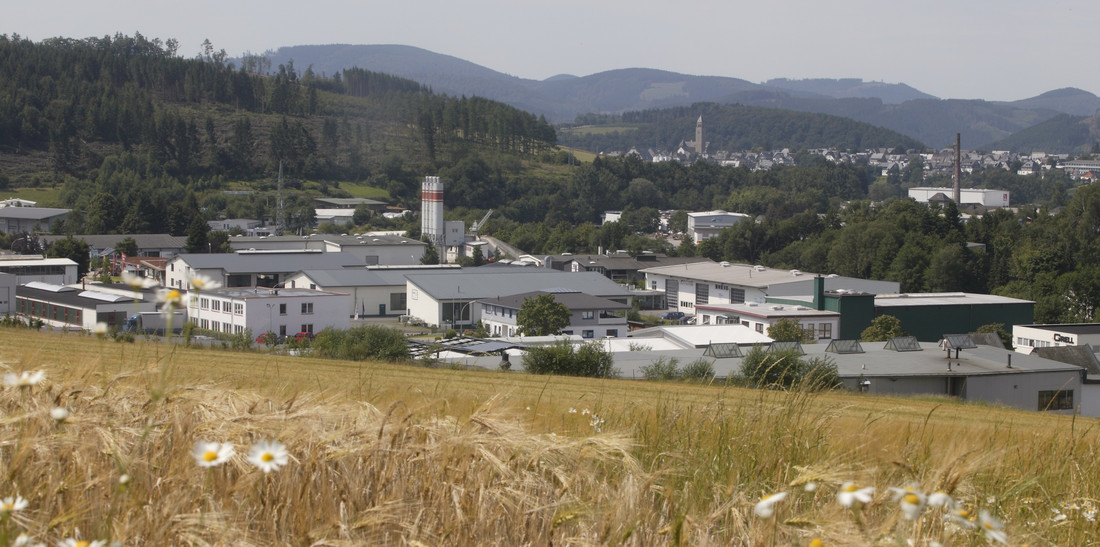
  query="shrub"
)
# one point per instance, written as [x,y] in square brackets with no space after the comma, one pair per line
[661,369]
[786,369]
[361,343]
[589,359]
[699,369]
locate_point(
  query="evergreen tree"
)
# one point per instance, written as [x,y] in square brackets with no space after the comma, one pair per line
[198,236]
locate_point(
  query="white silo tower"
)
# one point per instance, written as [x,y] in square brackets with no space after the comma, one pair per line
[431,210]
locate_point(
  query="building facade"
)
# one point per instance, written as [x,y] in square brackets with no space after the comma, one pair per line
[284,312]
[590,316]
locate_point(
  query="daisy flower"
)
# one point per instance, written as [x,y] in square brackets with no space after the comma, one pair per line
[994,528]
[24,379]
[203,283]
[169,299]
[211,454]
[850,494]
[940,499]
[268,455]
[961,518]
[766,506]
[81,543]
[14,503]
[138,282]
[912,504]
[100,328]
[59,414]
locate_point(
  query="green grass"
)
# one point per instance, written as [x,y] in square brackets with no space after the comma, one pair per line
[365,191]
[600,129]
[45,196]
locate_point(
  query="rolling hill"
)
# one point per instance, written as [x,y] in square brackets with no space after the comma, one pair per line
[562,98]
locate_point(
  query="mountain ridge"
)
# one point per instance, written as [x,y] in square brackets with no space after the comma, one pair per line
[561,98]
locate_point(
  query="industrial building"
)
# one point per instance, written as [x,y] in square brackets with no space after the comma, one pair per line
[259,310]
[976,196]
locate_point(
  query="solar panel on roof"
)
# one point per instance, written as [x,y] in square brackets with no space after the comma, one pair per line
[844,347]
[723,350]
[777,347]
[959,341]
[903,343]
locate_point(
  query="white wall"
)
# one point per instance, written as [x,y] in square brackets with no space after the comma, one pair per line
[329,310]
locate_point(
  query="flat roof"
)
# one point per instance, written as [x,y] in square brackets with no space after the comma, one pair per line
[1075,328]
[273,262]
[699,336]
[745,275]
[144,241]
[574,300]
[494,281]
[942,299]
[768,310]
[31,213]
[264,292]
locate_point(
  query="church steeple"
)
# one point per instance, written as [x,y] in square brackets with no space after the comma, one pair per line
[699,136]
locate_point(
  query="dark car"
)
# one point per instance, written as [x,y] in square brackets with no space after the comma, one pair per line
[673,315]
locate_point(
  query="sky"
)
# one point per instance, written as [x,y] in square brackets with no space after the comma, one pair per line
[997,50]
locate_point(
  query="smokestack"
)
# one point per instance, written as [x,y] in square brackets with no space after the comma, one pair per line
[958,169]
[1009,360]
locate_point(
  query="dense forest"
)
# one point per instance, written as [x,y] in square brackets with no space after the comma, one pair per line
[732,128]
[137,139]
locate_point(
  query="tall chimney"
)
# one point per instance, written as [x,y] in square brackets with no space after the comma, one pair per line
[958,169]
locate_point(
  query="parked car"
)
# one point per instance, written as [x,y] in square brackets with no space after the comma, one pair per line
[673,315]
[271,337]
[303,336]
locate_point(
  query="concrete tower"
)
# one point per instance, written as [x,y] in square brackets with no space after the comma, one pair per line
[957,194]
[431,210]
[699,136]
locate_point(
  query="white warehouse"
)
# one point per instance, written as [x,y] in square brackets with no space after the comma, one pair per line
[979,196]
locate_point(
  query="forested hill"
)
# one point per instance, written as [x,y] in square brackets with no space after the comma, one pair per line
[732,128]
[76,101]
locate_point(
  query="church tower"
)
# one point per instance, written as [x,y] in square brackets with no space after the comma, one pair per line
[699,136]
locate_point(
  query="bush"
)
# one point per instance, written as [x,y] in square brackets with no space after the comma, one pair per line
[362,343]
[699,369]
[661,369]
[786,370]
[590,359]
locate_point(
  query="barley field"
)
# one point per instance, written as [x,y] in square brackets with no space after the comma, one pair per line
[157,444]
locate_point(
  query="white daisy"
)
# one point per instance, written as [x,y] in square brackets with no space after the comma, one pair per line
[59,414]
[268,455]
[912,505]
[850,494]
[24,379]
[138,282]
[100,328]
[766,506]
[940,499]
[211,454]
[169,299]
[82,543]
[13,503]
[203,283]
[993,527]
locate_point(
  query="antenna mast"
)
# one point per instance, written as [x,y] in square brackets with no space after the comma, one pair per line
[280,204]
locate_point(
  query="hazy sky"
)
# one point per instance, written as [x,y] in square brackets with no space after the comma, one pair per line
[966,49]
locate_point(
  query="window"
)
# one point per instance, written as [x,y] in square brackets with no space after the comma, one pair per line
[653,285]
[204,303]
[307,327]
[702,294]
[282,330]
[1056,400]
[307,307]
[826,331]
[588,334]
[760,328]
[238,308]
[216,305]
[613,333]
[397,301]
[282,309]
[737,296]
[312,286]
[809,329]
[588,314]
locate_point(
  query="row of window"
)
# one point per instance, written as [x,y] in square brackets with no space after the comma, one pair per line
[238,307]
[219,326]
[45,310]
[489,309]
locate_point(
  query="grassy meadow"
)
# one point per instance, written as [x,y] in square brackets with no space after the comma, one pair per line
[385,454]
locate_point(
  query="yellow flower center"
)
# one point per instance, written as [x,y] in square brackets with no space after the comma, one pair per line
[911,499]
[210,456]
[82,544]
[988,525]
[816,543]
[173,295]
[851,488]
[268,456]
[7,507]
[963,513]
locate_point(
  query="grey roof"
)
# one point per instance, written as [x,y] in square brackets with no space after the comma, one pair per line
[32,213]
[625,262]
[494,282]
[1081,356]
[243,242]
[358,277]
[349,201]
[144,241]
[572,300]
[1075,328]
[264,292]
[273,262]
[69,296]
